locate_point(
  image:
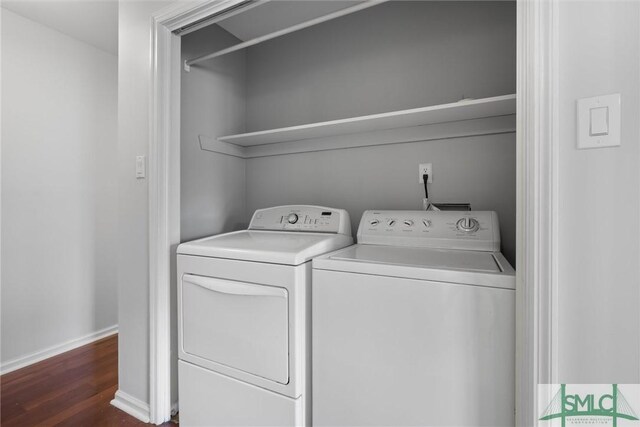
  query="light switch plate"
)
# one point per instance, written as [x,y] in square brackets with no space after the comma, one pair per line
[599,121]
[141,167]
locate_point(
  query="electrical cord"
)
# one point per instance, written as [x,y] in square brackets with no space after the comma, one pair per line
[425,178]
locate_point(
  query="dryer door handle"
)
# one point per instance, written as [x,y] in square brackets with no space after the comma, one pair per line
[234,288]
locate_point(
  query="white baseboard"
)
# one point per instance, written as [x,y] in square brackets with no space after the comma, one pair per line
[131,405]
[41,355]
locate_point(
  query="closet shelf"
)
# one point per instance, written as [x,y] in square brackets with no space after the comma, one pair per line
[445,113]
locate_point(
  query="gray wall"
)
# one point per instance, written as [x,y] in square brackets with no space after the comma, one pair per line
[59,190]
[134,81]
[599,193]
[393,56]
[212,185]
[479,170]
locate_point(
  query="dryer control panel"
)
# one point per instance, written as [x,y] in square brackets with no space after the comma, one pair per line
[468,230]
[307,218]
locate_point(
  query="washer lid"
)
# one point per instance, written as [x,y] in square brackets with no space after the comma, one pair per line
[421,257]
[476,268]
[277,247]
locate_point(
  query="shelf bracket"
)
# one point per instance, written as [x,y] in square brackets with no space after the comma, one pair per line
[211,144]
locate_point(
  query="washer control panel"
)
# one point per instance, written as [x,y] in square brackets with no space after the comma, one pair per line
[468,230]
[302,218]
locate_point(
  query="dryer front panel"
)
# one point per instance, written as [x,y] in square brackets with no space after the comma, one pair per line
[240,325]
[246,320]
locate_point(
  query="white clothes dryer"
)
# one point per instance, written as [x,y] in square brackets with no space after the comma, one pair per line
[244,321]
[415,324]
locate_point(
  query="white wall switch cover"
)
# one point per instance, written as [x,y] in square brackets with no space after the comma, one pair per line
[599,121]
[141,167]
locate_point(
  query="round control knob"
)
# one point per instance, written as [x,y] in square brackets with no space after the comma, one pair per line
[391,222]
[426,223]
[292,218]
[468,225]
[374,222]
[408,222]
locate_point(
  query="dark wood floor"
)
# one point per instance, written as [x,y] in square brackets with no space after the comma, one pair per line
[72,389]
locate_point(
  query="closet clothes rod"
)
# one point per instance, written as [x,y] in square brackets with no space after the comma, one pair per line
[337,14]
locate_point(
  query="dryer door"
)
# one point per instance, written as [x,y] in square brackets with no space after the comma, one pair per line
[240,325]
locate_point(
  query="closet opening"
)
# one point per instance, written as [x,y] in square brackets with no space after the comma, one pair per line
[280,106]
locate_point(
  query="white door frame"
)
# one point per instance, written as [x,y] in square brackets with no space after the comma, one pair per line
[164,193]
[537,186]
[537,204]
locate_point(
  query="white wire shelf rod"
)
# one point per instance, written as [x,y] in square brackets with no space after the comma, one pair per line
[346,11]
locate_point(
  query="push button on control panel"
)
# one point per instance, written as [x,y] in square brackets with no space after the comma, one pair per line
[292,218]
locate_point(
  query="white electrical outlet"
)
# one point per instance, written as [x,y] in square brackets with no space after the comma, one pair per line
[425,168]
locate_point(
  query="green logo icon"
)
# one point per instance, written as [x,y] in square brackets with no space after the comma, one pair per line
[612,405]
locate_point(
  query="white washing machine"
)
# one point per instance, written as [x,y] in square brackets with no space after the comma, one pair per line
[415,325]
[244,321]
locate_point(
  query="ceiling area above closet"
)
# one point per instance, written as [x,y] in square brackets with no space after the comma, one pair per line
[269,16]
